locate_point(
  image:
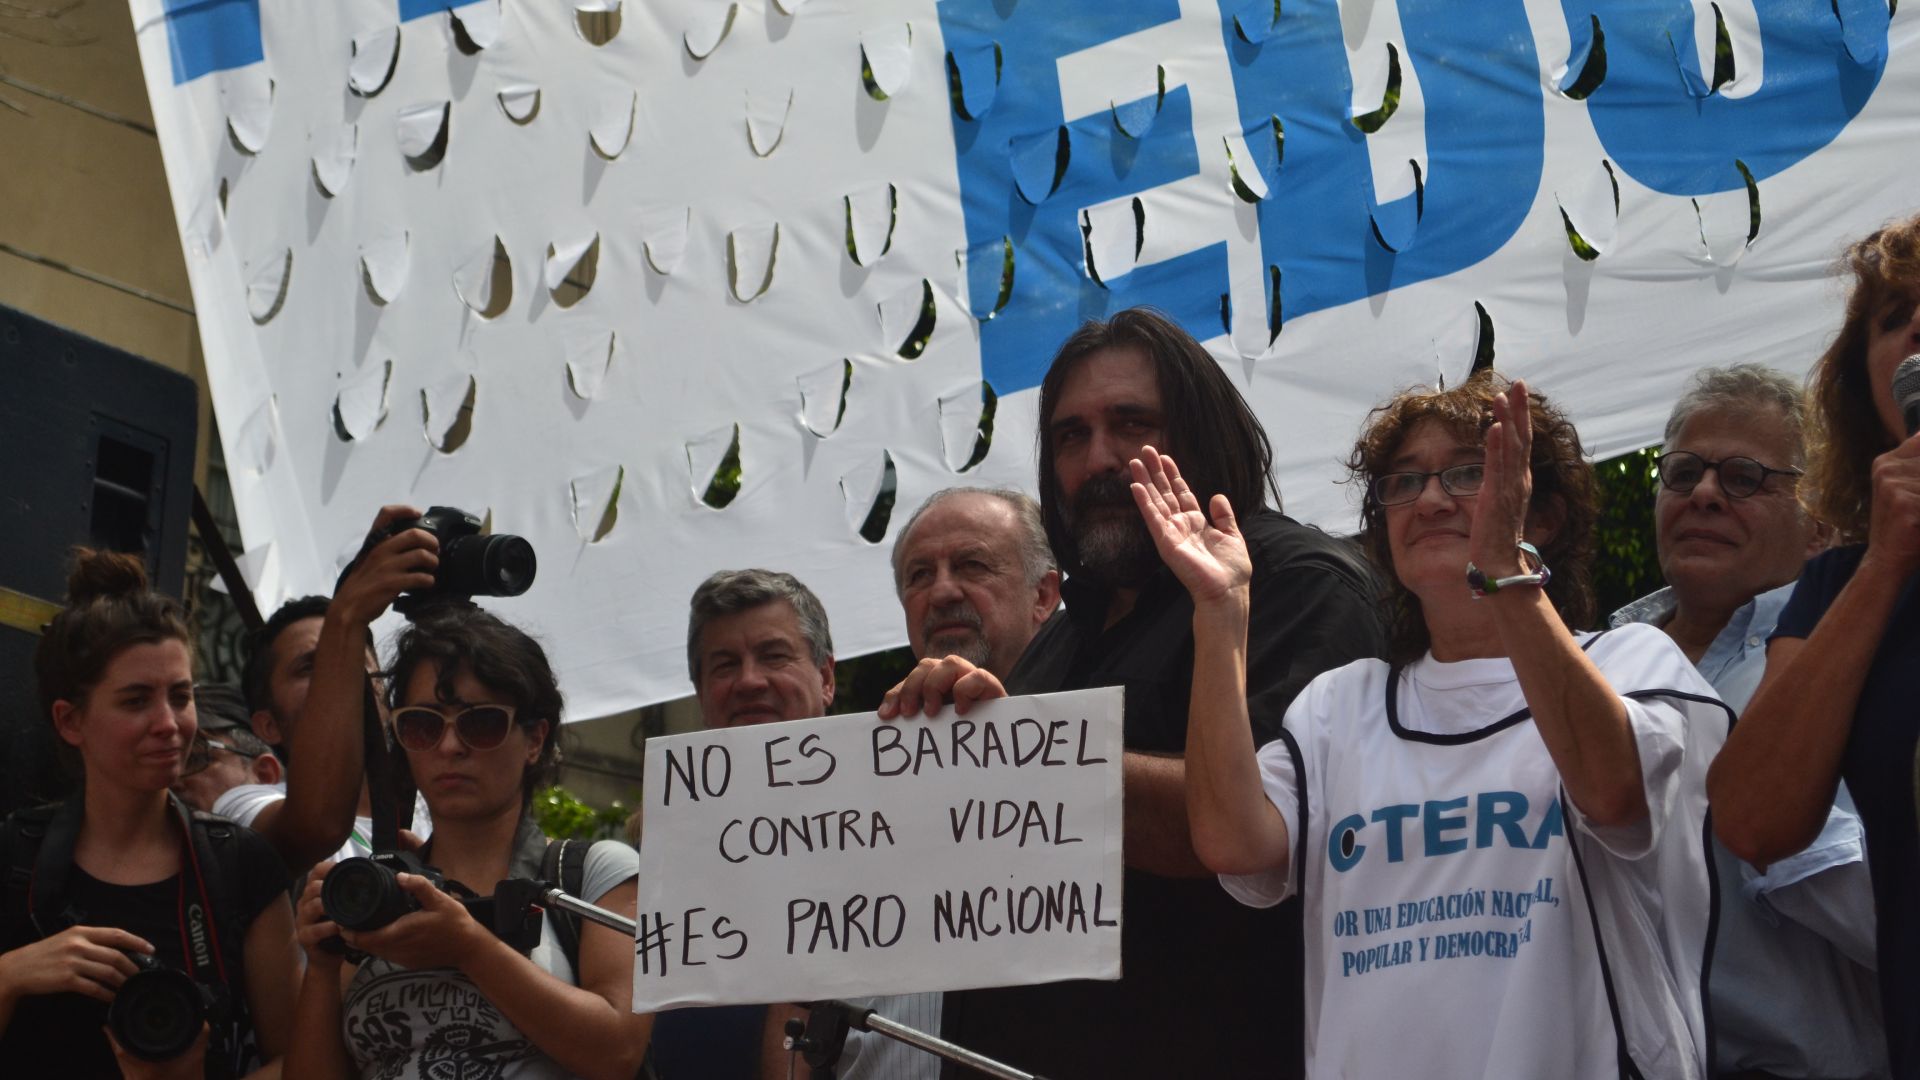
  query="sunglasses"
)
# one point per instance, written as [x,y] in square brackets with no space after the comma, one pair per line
[480,727]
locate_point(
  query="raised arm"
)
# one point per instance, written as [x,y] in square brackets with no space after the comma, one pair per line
[1579,716]
[1234,829]
[1774,779]
[326,765]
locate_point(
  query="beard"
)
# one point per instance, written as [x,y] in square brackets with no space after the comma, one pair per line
[1109,538]
[968,643]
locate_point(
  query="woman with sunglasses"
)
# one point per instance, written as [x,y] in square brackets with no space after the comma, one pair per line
[1494,832]
[122,871]
[1837,700]
[476,708]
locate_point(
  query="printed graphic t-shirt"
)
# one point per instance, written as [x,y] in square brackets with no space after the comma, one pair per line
[402,1024]
[1462,918]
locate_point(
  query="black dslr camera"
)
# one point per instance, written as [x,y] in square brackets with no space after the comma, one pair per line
[159,1010]
[471,564]
[364,893]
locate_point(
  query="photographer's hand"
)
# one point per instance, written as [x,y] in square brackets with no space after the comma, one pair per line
[89,960]
[311,927]
[442,934]
[400,563]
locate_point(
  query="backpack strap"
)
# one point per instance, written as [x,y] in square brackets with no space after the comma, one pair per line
[565,865]
[22,834]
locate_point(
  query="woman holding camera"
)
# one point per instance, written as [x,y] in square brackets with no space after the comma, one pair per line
[1498,833]
[476,708]
[1837,699]
[122,877]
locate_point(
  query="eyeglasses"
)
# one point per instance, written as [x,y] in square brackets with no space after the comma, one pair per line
[200,754]
[480,727]
[1395,488]
[1681,471]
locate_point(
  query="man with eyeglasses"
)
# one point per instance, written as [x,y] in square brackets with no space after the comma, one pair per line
[225,753]
[1792,990]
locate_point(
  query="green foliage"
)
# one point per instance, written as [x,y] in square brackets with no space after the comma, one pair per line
[562,816]
[859,682]
[1625,566]
[726,478]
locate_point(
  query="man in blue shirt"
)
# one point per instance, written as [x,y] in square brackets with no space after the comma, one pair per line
[1792,987]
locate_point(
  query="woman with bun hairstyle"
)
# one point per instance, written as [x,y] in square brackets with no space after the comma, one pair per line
[122,875]
[476,708]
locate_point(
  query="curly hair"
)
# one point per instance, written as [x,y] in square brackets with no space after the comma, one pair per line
[1844,432]
[458,636]
[1563,484]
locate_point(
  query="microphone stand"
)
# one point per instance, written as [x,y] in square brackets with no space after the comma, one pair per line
[824,1034]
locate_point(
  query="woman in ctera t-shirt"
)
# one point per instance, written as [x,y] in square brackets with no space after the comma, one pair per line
[1498,835]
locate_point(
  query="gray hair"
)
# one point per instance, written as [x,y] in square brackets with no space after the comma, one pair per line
[1740,388]
[730,592]
[1036,556]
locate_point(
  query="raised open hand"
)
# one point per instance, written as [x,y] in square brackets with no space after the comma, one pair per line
[1500,513]
[1209,557]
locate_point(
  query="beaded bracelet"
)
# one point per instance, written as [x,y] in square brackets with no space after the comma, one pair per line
[1482,585]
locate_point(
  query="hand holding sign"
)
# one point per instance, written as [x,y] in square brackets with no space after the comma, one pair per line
[847,856]
[934,682]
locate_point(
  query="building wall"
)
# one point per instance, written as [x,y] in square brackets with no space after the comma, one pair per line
[87,236]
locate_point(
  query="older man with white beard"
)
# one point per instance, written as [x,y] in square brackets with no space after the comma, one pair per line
[975,576]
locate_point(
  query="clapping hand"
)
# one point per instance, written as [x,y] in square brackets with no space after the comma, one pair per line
[1209,557]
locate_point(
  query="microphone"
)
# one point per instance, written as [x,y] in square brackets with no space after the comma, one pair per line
[1906,392]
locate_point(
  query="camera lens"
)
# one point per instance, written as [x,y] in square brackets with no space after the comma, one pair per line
[499,565]
[360,894]
[508,565]
[157,1014]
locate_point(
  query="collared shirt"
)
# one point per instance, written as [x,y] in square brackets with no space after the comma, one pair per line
[1792,985]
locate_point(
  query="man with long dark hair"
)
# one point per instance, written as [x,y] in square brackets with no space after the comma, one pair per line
[1210,988]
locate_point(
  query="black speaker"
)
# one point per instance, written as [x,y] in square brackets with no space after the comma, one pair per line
[96,448]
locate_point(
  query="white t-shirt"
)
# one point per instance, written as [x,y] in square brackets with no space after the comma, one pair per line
[243,802]
[1452,930]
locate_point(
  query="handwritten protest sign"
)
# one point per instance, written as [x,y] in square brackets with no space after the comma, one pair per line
[846,856]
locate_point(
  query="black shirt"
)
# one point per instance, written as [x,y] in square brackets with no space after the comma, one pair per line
[1210,988]
[1878,766]
[62,1034]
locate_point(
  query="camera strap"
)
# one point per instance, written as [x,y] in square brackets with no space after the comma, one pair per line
[203,907]
[381,765]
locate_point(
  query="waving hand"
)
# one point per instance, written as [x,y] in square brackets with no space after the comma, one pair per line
[1209,557]
[1500,513]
